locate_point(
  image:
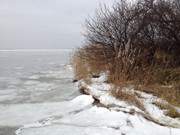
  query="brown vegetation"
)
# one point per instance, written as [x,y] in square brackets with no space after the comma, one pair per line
[128,97]
[168,93]
[137,43]
[171,111]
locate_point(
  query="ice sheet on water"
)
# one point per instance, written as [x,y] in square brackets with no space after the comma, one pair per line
[21,114]
[8,94]
[34,70]
[44,86]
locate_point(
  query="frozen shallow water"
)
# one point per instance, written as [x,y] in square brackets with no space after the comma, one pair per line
[33,77]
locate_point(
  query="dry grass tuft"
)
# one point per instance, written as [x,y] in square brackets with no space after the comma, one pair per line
[171,94]
[89,61]
[80,67]
[171,111]
[169,76]
[128,97]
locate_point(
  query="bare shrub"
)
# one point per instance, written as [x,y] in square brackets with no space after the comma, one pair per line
[91,60]
[136,42]
[134,35]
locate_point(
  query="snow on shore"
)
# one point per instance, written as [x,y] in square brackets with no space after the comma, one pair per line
[81,116]
[99,121]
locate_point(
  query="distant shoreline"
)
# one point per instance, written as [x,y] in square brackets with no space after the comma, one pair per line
[35,50]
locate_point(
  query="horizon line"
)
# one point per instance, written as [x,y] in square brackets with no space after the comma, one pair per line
[34,50]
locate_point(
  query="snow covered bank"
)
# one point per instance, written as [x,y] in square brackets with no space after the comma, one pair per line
[95,121]
[100,121]
[81,116]
[101,92]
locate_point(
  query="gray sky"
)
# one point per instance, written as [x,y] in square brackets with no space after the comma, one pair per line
[44,24]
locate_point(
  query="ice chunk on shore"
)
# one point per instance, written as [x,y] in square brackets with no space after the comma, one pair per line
[21,114]
[100,121]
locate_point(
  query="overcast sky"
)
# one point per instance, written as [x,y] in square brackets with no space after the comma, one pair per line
[44,24]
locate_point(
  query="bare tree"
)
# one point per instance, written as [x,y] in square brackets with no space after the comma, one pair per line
[127,36]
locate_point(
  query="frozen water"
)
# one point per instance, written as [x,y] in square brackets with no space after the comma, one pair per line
[29,78]
[33,77]
[22,114]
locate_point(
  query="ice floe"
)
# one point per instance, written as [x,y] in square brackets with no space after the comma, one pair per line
[22,114]
[97,121]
